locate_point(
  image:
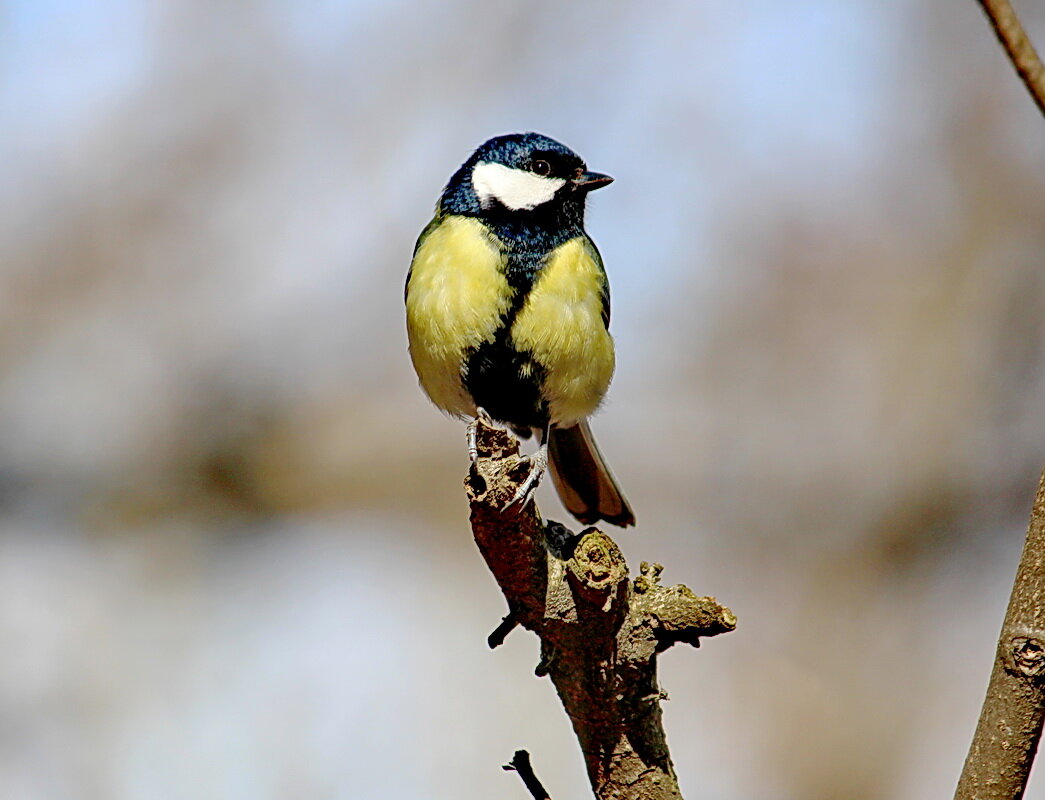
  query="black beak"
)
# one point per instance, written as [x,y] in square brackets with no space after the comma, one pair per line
[592,180]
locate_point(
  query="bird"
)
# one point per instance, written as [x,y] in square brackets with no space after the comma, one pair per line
[508,311]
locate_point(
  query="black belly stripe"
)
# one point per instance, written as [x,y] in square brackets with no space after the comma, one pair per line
[501,379]
[507,382]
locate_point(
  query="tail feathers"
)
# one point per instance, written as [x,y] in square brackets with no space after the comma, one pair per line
[583,479]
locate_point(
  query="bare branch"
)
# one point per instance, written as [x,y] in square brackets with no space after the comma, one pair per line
[1010,723]
[500,633]
[521,763]
[600,632]
[1017,44]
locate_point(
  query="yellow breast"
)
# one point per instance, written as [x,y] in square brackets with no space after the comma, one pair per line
[561,325]
[455,297]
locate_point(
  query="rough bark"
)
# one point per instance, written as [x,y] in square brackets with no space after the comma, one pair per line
[600,632]
[1007,735]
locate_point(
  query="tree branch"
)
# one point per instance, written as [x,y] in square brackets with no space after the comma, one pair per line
[600,632]
[521,763]
[1021,52]
[1010,723]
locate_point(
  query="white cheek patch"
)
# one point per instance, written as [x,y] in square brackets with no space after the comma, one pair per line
[515,189]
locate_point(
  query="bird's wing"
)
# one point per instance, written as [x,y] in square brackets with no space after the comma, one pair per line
[605,293]
[431,226]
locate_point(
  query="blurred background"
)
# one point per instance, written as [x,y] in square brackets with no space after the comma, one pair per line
[234,552]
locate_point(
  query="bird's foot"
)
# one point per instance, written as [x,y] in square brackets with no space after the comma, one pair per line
[473,431]
[538,466]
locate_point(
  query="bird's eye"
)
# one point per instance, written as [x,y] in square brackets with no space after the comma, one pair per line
[541,167]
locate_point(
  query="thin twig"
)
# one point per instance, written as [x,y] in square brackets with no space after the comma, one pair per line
[521,763]
[1009,729]
[500,633]
[1016,43]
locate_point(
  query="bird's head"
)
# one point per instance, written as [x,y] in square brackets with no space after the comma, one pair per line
[520,172]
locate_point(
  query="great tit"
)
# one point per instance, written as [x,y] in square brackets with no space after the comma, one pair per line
[507,308]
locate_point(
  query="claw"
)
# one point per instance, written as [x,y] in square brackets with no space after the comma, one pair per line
[538,466]
[473,446]
[473,432]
